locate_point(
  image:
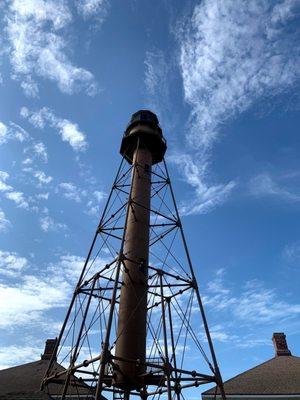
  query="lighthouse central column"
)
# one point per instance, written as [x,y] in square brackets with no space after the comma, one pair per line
[131,333]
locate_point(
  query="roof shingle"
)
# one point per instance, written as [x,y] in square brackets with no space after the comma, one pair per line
[277,376]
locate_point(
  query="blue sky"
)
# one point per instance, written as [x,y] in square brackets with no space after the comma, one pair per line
[223,78]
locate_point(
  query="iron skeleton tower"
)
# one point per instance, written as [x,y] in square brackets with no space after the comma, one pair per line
[136,324]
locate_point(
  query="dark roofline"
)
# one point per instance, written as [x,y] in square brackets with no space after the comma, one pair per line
[209,391]
[20,365]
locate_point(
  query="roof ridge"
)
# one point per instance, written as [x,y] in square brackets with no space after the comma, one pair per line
[21,365]
[251,369]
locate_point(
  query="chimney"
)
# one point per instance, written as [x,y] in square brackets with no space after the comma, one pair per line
[49,349]
[280,345]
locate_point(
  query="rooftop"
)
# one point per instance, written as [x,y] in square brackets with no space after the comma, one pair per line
[278,376]
[24,381]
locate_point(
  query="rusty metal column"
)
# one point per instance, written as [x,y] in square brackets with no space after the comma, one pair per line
[131,343]
[143,145]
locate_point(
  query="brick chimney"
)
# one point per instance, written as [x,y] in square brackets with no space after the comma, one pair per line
[280,344]
[49,349]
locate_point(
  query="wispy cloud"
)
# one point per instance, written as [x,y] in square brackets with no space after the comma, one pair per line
[36,150]
[4,187]
[92,198]
[5,224]
[48,224]
[255,304]
[16,355]
[27,301]
[3,133]
[93,204]
[11,264]
[232,54]
[93,8]
[70,191]
[42,178]
[18,198]
[205,197]
[69,131]
[70,264]
[36,31]
[291,253]
[265,184]
[12,131]
[157,82]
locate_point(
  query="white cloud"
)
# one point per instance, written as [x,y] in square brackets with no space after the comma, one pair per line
[93,8]
[49,225]
[30,87]
[99,196]
[12,132]
[11,264]
[27,161]
[157,82]
[4,175]
[18,133]
[233,53]
[265,185]
[4,222]
[42,196]
[71,134]
[255,304]
[16,355]
[18,198]
[25,302]
[206,197]
[40,149]
[42,178]
[69,131]
[36,31]
[68,265]
[4,187]
[291,253]
[70,191]
[3,133]
[218,333]
[37,119]
[93,205]
[261,304]
[284,11]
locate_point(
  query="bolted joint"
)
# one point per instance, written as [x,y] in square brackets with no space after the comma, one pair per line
[194,284]
[121,257]
[168,368]
[177,388]
[105,357]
